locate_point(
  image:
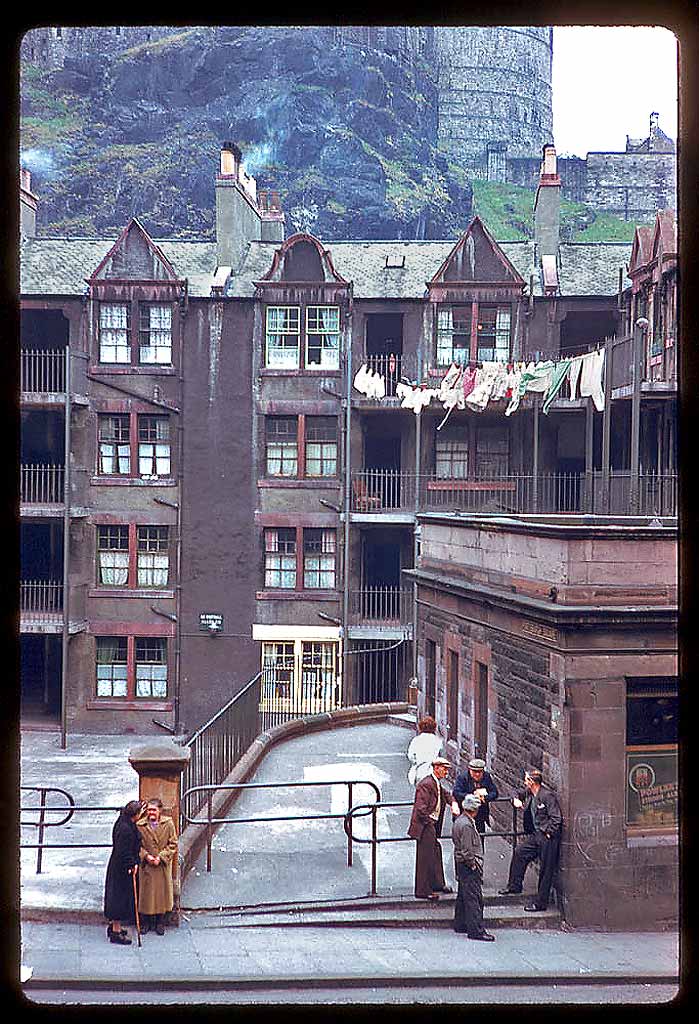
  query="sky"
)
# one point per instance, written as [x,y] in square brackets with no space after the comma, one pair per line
[598,95]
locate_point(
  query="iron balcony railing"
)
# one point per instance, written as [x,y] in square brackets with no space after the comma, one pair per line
[380,605]
[41,484]
[38,598]
[393,367]
[380,490]
[43,371]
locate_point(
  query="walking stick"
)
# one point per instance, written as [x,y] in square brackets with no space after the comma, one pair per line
[135,905]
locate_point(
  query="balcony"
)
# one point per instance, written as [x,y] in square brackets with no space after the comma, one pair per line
[380,612]
[389,495]
[393,367]
[41,489]
[43,375]
[41,606]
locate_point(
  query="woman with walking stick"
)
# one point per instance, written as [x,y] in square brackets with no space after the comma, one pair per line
[121,873]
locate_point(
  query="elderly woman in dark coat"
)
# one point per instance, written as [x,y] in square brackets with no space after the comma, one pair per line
[123,863]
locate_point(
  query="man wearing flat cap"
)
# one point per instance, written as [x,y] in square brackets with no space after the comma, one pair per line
[425,826]
[478,782]
[468,867]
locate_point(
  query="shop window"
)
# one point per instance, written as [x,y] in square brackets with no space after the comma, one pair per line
[318,559]
[155,333]
[278,671]
[453,335]
[282,445]
[299,677]
[493,332]
[153,447]
[112,666]
[321,446]
[280,558]
[652,708]
[113,556]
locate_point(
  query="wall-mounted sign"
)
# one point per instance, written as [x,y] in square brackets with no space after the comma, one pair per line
[651,787]
[211,622]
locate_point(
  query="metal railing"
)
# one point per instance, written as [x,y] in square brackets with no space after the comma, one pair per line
[43,822]
[391,367]
[210,821]
[40,597]
[41,484]
[43,371]
[218,745]
[388,605]
[382,490]
[375,841]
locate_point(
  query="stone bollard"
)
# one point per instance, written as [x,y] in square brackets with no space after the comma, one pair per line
[159,766]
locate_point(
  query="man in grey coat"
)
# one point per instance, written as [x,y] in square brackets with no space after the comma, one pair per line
[468,867]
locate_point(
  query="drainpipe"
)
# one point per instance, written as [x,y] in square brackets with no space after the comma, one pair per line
[348,492]
[66,550]
[639,335]
[178,527]
[416,535]
[535,488]
[606,424]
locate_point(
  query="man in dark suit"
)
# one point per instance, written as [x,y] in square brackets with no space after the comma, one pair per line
[478,782]
[543,822]
[425,826]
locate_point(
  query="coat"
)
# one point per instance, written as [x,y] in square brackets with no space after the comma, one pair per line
[156,895]
[468,847]
[425,803]
[118,885]
[465,783]
[542,813]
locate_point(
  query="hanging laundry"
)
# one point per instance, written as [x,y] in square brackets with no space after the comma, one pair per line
[591,378]
[535,378]
[360,380]
[501,383]
[484,384]
[560,373]
[574,374]
[415,398]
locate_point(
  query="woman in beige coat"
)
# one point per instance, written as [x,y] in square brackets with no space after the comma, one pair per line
[158,847]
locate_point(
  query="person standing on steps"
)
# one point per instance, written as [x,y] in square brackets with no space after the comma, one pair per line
[158,847]
[123,862]
[543,823]
[422,749]
[425,826]
[477,781]
[468,867]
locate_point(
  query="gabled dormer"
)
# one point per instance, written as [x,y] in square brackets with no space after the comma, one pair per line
[476,293]
[134,293]
[304,304]
[641,254]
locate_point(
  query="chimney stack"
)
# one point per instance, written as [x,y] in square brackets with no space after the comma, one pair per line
[241,215]
[547,219]
[27,205]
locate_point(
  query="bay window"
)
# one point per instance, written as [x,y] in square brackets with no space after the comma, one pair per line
[318,349]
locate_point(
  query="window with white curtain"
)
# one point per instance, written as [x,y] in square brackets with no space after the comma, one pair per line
[280,558]
[453,335]
[318,559]
[112,666]
[114,445]
[323,337]
[321,446]
[282,337]
[151,667]
[113,555]
[281,445]
[153,447]
[155,333]
[494,323]
[153,559]
[114,333]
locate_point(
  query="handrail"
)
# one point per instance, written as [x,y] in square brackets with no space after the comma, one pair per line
[222,711]
[375,841]
[209,821]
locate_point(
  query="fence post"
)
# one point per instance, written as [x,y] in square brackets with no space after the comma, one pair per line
[159,767]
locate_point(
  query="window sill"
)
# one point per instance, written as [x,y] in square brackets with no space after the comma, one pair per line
[123,368]
[126,592]
[269,371]
[297,595]
[301,482]
[130,481]
[664,836]
[128,704]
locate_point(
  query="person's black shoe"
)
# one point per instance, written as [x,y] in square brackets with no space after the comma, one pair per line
[483,937]
[110,931]
[533,906]
[120,939]
[509,892]
[145,925]
[159,926]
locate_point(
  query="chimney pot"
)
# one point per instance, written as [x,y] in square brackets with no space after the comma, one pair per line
[274,201]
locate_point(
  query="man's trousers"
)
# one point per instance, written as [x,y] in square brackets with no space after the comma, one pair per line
[535,847]
[468,910]
[429,870]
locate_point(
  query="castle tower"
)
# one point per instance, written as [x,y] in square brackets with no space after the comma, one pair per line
[494,95]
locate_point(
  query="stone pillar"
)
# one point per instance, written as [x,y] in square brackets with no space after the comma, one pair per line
[159,766]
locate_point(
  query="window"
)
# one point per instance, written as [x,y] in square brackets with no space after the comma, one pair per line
[451,455]
[493,333]
[430,676]
[112,665]
[492,451]
[453,692]
[151,667]
[480,711]
[113,555]
[153,563]
[652,709]
[299,677]
[155,333]
[321,348]
[153,447]
[282,445]
[318,559]
[280,558]
[283,334]
[453,335]
[114,445]
[114,333]
[323,337]
[321,446]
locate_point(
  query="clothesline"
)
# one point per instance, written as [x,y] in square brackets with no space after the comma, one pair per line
[475,386]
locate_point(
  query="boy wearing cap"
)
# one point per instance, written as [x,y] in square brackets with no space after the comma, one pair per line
[477,781]
[425,826]
[468,867]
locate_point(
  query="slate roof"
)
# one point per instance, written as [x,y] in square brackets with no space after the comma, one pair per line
[59,266]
